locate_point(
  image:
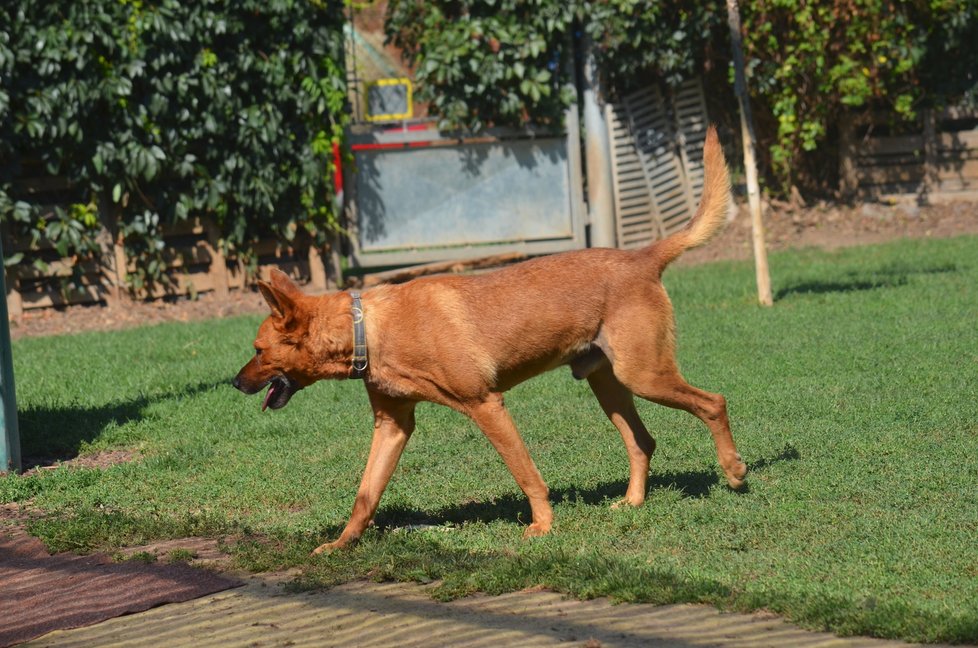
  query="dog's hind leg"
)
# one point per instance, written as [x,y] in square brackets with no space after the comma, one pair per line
[671,390]
[639,341]
[495,422]
[393,425]
[618,404]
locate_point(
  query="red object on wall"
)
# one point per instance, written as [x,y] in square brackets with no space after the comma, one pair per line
[337,169]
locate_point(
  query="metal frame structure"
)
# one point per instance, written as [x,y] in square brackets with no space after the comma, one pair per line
[374,187]
[10,440]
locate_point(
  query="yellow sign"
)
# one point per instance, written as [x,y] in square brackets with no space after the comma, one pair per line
[389,100]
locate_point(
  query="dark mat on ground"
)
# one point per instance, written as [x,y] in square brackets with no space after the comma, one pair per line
[40,592]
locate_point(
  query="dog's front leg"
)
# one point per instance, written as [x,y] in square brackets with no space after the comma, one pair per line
[495,422]
[393,425]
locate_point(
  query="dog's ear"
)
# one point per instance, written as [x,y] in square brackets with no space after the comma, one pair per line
[281,303]
[285,299]
[282,294]
[283,283]
[276,300]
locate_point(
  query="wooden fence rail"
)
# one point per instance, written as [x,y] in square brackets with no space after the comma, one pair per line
[934,158]
[194,265]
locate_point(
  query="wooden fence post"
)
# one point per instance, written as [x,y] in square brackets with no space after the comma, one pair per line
[219,267]
[121,267]
[15,302]
[317,270]
[334,269]
[931,181]
[848,178]
[106,265]
[113,251]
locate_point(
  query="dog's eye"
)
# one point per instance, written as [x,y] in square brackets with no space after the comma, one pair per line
[257,352]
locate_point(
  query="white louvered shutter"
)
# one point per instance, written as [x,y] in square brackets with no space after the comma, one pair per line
[657,161]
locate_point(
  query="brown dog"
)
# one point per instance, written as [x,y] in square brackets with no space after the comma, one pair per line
[464,340]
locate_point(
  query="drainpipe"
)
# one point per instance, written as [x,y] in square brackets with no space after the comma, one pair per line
[597,152]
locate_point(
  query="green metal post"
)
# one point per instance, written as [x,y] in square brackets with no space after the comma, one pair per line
[10,445]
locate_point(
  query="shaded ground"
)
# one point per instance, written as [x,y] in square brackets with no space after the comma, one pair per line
[379,615]
[365,614]
[42,592]
[825,225]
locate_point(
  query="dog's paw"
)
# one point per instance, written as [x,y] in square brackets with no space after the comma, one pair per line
[736,474]
[628,501]
[329,547]
[536,530]
[326,548]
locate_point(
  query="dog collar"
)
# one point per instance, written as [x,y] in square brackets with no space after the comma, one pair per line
[359,368]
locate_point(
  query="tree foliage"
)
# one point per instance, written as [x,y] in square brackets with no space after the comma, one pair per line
[503,62]
[509,62]
[810,62]
[158,111]
[487,62]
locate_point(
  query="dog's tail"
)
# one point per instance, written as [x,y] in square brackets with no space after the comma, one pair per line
[712,210]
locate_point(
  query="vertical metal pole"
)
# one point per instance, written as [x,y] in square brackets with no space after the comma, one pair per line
[10,442]
[597,149]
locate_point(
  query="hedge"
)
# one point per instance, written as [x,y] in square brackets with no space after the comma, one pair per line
[502,62]
[158,111]
[509,62]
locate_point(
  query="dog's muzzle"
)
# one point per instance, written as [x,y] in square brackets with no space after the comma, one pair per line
[280,390]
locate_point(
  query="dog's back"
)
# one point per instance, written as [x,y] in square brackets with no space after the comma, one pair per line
[516,322]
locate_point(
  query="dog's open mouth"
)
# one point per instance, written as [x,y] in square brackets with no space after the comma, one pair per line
[280,390]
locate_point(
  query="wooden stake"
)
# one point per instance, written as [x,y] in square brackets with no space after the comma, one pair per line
[405,274]
[750,159]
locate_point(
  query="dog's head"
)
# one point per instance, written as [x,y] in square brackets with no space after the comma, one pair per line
[282,361]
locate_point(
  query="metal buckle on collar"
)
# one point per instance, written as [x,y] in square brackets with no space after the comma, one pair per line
[359,368]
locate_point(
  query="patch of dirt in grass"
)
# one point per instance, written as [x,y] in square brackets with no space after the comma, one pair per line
[14,514]
[831,226]
[78,319]
[102,459]
[200,552]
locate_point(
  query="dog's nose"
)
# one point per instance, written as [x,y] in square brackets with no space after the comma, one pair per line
[236,382]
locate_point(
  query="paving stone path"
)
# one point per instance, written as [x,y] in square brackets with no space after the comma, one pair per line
[397,614]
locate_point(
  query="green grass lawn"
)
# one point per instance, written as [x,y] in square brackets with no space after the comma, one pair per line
[853,401]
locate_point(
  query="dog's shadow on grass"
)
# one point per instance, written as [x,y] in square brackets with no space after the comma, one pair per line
[890,276]
[513,507]
[52,434]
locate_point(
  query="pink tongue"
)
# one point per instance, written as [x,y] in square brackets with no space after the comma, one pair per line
[268,396]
